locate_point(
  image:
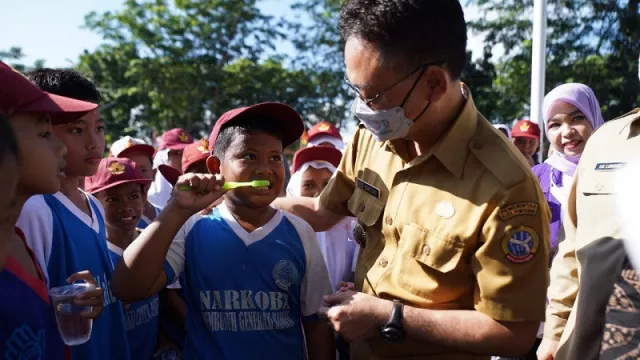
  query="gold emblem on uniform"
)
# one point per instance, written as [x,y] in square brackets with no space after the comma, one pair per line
[183,137]
[323,127]
[204,146]
[524,127]
[116,168]
[518,209]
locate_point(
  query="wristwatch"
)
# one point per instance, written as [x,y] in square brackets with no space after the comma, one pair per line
[393,330]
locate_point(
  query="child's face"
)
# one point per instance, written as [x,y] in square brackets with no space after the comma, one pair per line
[198,168]
[144,165]
[8,207]
[256,156]
[123,205]
[175,159]
[313,181]
[84,139]
[42,154]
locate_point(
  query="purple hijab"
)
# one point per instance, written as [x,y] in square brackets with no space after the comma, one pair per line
[557,166]
[582,97]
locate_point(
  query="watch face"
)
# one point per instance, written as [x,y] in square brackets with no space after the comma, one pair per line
[392,334]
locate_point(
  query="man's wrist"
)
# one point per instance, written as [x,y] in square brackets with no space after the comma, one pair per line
[384,312]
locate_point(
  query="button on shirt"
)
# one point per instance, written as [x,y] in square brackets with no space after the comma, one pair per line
[459,227]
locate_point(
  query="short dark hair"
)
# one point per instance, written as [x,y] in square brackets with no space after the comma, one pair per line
[8,140]
[243,127]
[68,83]
[412,32]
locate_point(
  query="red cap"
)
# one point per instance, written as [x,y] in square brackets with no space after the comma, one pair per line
[196,152]
[316,153]
[175,139]
[18,95]
[129,145]
[113,172]
[288,120]
[526,128]
[169,173]
[323,128]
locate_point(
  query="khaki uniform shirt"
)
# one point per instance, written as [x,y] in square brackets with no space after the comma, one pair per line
[591,256]
[460,227]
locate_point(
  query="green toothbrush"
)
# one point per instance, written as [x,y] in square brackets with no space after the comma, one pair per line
[232,185]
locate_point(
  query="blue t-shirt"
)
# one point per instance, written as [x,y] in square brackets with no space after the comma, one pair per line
[248,293]
[141,318]
[65,240]
[28,328]
[145,221]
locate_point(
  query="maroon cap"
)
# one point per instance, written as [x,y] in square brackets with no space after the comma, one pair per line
[316,153]
[193,153]
[288,120]
[526,128]
[323,128]
[169,173]
[175,139]
[18,95]
[113,172]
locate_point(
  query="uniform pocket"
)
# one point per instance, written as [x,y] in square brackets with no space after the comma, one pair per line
[427,260]
[366,207]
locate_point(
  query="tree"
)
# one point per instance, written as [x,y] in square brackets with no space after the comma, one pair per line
[14,54]
[595,42]
[184,62]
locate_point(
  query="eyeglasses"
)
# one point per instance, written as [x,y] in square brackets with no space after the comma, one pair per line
[379,95]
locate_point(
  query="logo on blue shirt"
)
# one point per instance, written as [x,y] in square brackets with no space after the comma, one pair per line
[24,344]
[284,274]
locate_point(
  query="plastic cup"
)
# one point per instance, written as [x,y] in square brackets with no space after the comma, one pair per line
[74,328]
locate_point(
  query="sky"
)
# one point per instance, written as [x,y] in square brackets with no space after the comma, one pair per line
[52,29]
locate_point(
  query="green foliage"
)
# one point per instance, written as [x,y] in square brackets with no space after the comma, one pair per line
[13,57]
[594,42]
[183,63]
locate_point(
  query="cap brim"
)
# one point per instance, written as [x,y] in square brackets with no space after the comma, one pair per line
[187,164]
[169,173]
[526,135]
[143,149]
[179,146]
[316,153]
[61,109]
[289,121]
[138,181]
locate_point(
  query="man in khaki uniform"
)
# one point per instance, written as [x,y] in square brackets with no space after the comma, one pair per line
[450,220]
[591,257]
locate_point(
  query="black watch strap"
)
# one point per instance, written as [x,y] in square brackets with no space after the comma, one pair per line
[393,330]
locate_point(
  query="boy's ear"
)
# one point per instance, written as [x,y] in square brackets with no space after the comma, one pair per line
[213,165]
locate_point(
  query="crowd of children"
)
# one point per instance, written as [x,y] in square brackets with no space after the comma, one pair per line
[180,265]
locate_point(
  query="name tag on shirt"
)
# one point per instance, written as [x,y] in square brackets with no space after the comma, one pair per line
[610,166]
[368,188]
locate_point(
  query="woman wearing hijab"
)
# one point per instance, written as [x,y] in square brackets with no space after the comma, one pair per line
[570,113]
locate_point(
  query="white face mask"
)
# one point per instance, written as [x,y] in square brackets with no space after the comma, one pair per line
[384,124]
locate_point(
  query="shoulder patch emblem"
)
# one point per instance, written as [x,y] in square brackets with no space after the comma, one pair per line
[520,245]
[518,209]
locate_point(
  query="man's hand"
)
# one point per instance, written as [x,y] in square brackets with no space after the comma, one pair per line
[356,316]
[93,298]
[204,190]
[547,349]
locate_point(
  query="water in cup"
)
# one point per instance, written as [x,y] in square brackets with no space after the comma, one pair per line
[74,328]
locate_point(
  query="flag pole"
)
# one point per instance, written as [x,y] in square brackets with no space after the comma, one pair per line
[538,65]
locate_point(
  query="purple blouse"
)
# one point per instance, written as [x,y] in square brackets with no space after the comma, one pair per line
[545,174]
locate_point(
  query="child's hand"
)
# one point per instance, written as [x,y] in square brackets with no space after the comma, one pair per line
[345,286]
[93,298]
[204,189]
